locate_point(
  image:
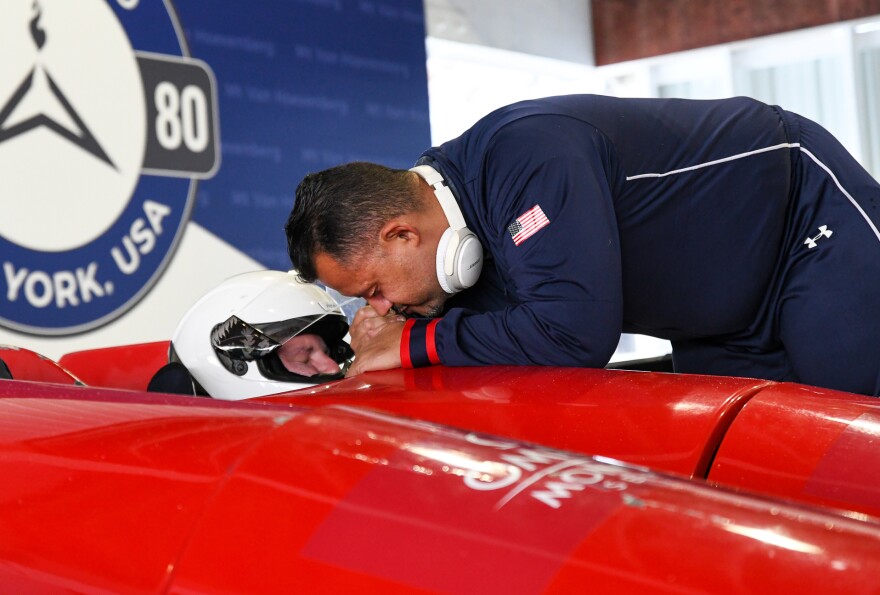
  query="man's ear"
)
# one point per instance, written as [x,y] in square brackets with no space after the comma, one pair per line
[400,229]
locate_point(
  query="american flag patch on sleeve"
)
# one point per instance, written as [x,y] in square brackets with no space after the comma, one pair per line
[527,224]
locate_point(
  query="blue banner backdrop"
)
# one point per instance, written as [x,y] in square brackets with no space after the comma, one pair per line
[303,85]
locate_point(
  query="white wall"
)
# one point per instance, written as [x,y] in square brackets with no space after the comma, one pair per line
[558,29]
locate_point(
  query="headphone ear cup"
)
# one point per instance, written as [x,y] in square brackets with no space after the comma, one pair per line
[446,281]
[464,251]
[468,260]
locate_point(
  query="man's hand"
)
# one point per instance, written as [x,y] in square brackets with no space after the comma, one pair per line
[375,340]
[307,355]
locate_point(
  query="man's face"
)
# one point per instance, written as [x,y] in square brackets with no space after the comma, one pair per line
[395,277]
[306,355]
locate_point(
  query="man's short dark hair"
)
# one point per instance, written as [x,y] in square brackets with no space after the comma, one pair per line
[340,211]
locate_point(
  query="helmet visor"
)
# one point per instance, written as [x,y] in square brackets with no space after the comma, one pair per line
[239,340]
[284,330]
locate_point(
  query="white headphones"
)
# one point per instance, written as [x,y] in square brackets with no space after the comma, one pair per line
[459,253]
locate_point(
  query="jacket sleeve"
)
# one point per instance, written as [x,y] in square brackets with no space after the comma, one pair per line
[564,279]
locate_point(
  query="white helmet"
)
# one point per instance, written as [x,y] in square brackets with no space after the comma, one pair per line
[228,340]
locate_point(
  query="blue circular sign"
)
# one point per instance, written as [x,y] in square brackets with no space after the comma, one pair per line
[106,126]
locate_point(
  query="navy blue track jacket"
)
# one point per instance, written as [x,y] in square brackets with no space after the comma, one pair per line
[663,216]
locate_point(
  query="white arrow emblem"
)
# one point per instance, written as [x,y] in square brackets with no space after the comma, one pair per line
[823,231]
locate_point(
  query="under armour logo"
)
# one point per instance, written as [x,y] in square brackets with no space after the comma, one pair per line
[823,231]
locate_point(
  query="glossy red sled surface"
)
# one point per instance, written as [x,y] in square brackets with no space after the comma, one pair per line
[125,492]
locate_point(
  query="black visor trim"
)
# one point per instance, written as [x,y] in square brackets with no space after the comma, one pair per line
[238,340]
